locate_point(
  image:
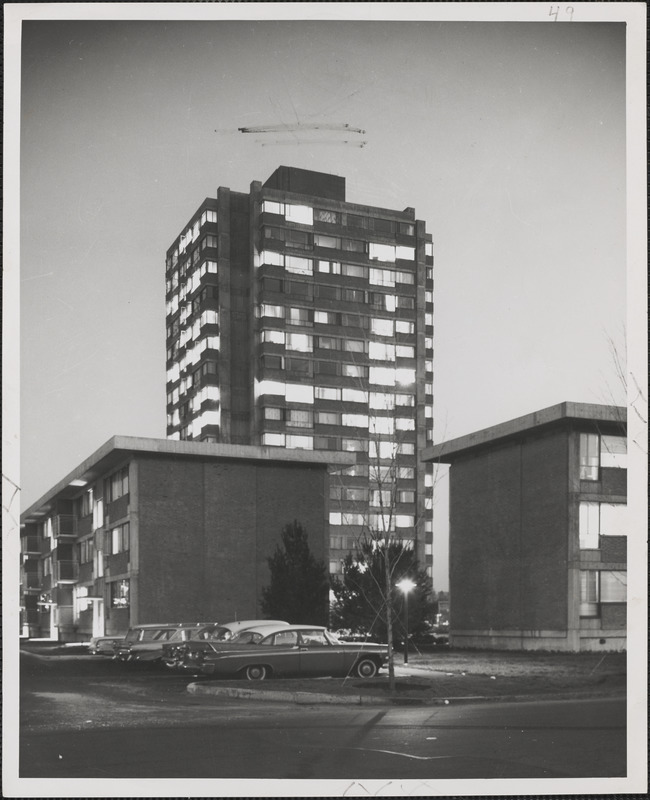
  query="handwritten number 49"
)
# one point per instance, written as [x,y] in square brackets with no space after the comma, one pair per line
[555,10]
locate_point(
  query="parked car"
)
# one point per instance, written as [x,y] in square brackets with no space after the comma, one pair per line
[144,643]
[174,652]
[435,637]
[276,651]
[104,645]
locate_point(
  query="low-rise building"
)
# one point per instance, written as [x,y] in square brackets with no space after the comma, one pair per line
[150,530]
[538,531]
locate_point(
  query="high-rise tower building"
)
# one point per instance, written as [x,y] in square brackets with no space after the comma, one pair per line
[296,319]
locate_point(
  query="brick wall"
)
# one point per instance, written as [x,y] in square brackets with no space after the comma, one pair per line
[206,530]
[508,547]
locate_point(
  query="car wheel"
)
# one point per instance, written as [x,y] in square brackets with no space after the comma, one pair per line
[256,672]
[366,668]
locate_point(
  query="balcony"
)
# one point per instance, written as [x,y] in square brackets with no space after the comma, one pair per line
[30,582]
[30,545]
[63,526]
[66,571]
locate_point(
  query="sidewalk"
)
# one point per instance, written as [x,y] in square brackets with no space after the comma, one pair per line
[427,684]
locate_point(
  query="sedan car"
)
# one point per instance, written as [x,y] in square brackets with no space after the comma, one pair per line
[296,650]
[104,645]
[174,652]
[144,643]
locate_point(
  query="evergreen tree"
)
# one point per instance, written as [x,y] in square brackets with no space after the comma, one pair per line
[298,591]
[361,598]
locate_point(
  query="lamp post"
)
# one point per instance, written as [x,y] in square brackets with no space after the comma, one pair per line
[406,585]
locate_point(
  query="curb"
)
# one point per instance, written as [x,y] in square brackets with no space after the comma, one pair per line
[320,698]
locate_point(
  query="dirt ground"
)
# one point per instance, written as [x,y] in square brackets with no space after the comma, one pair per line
[457,674]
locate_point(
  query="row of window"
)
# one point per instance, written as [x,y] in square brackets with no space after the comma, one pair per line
[190,235]
[601,519]
[304,393]
[601,586]
[376,376]
[304,240]
[598,451]
[304,418]
[116,540]
[322,291]
[306,343]
[377,497]
[382,450]
[208,369]
[378,326]
[303,265]
[306,215]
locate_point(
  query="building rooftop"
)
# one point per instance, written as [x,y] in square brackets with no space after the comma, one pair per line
[609,416]
[113,453]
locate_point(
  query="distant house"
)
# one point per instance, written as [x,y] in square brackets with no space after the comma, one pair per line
[151,530]
[538,526]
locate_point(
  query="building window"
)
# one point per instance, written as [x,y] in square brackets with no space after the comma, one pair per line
[601,519]
[299,442]
[327,292]
[118,539]
[298,265]
[601,451]
[354,396]
[327,241]
[117,485]
[300,316]
[275,414]
[323,215]
[354,371]
[327,393]
[300,418]
[589,593]
[302,215]
[119,594]
[301,342]
[613,586]
[328,418]
[86,551]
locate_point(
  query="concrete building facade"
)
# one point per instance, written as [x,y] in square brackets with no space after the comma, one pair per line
[538,531]
[149,530]
[299,320]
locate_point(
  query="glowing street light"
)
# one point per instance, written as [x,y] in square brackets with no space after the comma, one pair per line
[406,585]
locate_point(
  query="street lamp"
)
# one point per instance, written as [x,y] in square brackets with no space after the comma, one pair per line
[406,585]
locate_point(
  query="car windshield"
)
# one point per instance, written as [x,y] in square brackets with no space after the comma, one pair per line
[246,637]
[332,638]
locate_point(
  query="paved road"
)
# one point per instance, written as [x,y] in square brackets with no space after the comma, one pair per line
[101,721]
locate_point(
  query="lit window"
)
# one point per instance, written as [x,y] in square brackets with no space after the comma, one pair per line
[354,371]
[405,277]
[354,446]
[428,248]
[277,312]
[405,376]
[613,519]
[382,450]
[299,393]
[335,517]
[302,215]
[300,442]
[382,425]
[382,400]
[428,318]
[404,520]
[270,207]
[301,266]
[272,337]
[330,267]
[383,376]
[379,351]
[119,591]
[273,413]
[270,387]
[355,420]
[406,497]
[381,252]
[406,448]
[348,518]
[301,342]
[405,424]
[272,257]
[405,351]
[299,316]
[323,215]
[355,396]
[273,439]
[381,327]
[325,317]
[404,327]
[407,253]
[354,345]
